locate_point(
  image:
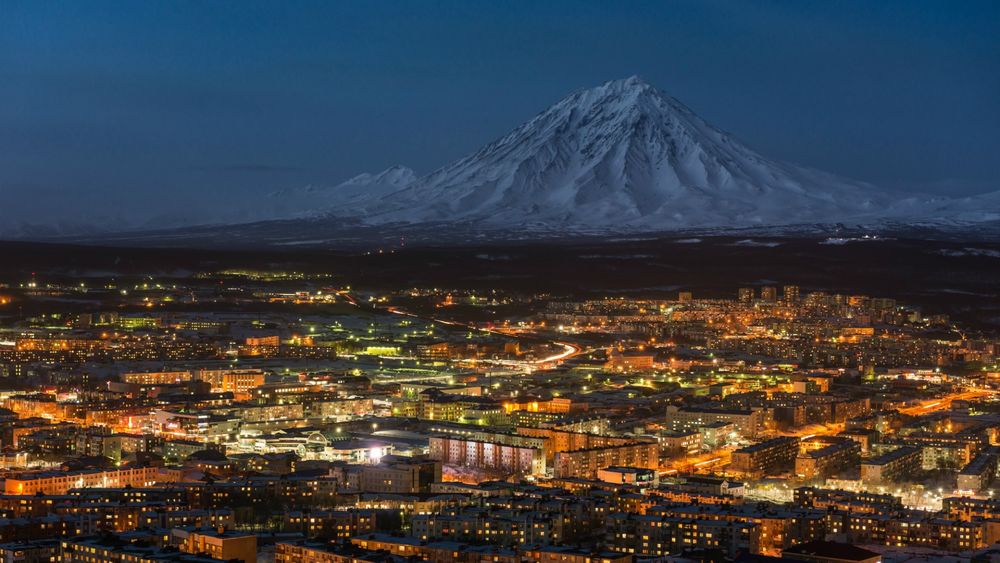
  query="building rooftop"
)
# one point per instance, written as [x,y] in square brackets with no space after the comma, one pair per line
[831,550]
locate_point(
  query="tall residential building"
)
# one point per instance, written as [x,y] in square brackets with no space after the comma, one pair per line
[746,295]
[790,293]
[769,294]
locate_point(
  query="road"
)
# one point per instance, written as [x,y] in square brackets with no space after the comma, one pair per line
[699,463]
[813,430]
[568,351]
[943,403]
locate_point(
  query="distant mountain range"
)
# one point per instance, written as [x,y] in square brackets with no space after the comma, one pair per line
[626,156]
[623,157]
[312,200]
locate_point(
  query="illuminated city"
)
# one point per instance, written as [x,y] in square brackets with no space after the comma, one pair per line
[283,404]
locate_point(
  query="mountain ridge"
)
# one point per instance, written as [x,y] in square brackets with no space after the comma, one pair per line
[622,157]
[622,154]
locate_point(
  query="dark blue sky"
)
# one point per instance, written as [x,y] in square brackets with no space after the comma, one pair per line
[142,109]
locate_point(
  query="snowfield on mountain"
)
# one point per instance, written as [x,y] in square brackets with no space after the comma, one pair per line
[624,155]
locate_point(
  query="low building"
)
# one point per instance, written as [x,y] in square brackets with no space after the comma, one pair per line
[37,551]
[109,549]
[218,544]
[830,552]
[636,476]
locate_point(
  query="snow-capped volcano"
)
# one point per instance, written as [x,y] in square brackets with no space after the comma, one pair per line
[621,157]
[625,155]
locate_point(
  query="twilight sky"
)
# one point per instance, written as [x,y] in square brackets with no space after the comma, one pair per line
[176,110]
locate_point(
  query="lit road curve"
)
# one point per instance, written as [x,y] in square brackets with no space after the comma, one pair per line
[568,349]
[942,403]
[705,462]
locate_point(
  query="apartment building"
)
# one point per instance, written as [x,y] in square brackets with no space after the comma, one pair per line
[823,458]
[747,422]
[60,482]
[769,457]
[890,467]
[515,457]
[586,463]
[218,544]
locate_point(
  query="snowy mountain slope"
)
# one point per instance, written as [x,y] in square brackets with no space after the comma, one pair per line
[622,155]
[311,200]
[375,185]
[621,158]
[981,208]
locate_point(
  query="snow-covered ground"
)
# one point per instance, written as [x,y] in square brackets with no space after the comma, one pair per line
[625,156]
